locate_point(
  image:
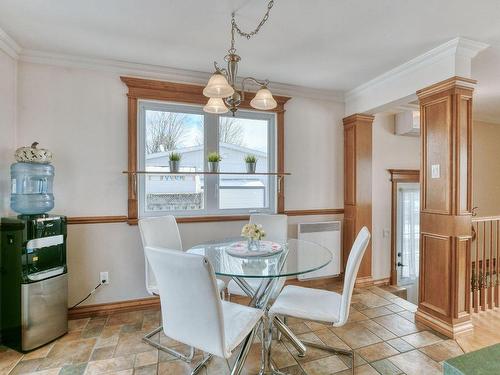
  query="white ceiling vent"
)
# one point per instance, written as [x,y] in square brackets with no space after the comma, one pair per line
[407,123]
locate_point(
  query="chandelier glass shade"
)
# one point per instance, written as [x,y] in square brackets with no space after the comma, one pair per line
[215,105]
[221,88]
[218,87]
[263,100]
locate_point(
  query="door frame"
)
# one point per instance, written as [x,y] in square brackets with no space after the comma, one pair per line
[397,176]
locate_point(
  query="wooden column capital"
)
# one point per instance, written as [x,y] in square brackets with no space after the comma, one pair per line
[357,118]
[446,205]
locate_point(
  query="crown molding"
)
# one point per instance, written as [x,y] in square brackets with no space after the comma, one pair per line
[9,45]
[459,46]
[488,119]
[160,72]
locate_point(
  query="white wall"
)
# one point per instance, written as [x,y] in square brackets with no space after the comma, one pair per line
[485,170]
[81,115]
[390,151]
[8,84]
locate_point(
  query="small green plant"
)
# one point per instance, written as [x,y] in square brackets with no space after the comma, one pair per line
[250,159]
[174,156]
[214,157]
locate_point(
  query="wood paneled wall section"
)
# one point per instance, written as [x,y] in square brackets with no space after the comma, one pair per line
[446,200]
[358,188]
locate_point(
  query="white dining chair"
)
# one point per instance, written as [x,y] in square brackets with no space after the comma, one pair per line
[276,229]
[163,232]
[323,305]
[192,312]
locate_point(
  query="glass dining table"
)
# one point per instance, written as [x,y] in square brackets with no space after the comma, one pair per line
[296,257]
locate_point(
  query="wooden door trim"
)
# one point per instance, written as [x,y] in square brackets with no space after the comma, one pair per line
[398,175]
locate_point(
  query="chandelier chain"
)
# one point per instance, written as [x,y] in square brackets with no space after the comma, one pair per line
[248,35]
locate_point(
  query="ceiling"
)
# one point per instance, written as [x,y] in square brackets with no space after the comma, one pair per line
[324,44]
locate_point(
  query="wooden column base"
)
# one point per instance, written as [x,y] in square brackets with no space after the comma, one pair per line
[450,330]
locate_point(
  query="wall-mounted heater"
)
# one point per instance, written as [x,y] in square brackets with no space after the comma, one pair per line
[326,234]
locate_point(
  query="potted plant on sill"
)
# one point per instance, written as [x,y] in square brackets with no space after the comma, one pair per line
[174,159]
[251,162]
[213,162]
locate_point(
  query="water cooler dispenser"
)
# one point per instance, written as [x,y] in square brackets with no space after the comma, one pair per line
[33,272]
[34,281]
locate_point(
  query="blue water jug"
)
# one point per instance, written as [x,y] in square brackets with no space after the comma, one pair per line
[31,191]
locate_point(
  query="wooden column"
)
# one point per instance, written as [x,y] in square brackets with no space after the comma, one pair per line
[358,188]
[446,200]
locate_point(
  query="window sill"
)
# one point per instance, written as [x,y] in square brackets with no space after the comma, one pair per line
[202,219]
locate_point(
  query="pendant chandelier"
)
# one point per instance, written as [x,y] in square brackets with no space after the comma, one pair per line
[221,87]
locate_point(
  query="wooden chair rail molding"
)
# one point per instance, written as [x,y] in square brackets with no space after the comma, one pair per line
[199,219]
[139,88]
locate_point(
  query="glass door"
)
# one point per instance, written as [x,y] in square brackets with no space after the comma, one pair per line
[408,233]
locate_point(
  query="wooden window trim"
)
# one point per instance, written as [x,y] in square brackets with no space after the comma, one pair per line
[146,89]
[398,175]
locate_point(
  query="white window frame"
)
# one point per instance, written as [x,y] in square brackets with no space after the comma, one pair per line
[211,143]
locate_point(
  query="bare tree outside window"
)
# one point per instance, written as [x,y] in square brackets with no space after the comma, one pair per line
[165,131]
[230,131]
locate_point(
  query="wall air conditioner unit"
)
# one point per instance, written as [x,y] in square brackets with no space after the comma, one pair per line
[407,123]
[326,234]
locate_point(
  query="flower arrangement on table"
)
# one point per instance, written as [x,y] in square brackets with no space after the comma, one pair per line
[253,233]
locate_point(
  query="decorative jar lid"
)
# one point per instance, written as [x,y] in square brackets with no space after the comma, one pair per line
[32,154]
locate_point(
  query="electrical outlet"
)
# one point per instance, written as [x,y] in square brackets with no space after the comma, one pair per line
[104,277]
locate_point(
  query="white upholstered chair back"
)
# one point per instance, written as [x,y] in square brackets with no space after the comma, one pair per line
[190,304]
[275,226]
[356,255]
[159,232]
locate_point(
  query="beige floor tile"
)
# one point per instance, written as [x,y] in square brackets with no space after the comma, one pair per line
[386,367]
[146,370]
[64,353]
[371,300]
[312,353]
[377,329]
[104,352]
[281,356]
[377,351]
[423,338]
[397,324]
[110,365]
[400,345]
[131,317]
[52,371]
[131,344]
[356,316]
[355,335]
[416,363]
[443,350]
[293,370]
[323,366]
[39,353]
[331,339]
[316,326]
[77,324]
[146,358]
[178,367]
[25,366]
[407,315]
[377,311]
[299,328]
[395,308]
[365,369]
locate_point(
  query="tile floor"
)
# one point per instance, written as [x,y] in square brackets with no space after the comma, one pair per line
[382,331]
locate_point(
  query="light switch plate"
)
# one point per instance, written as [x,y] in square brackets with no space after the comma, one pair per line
[435,171]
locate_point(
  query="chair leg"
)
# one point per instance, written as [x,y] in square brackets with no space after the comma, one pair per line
[201,364]
[349,353]
[243,354]
[185,358]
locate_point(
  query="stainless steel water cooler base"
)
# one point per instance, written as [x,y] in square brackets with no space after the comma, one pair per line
[44,311]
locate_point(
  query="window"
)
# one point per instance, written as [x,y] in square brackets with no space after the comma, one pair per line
[186,129]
